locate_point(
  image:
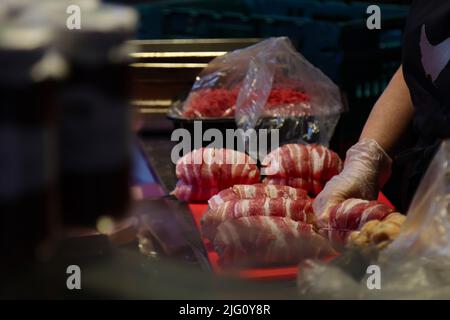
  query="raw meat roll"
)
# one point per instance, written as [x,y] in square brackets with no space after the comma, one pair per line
[351,215]
[263,240]
[302,166]
[298,210]
[213,169]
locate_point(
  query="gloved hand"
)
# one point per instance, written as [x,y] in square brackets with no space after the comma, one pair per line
[367,167]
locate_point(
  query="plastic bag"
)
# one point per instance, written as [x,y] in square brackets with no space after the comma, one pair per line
[426,231]
[416,265]
[268,85]
[415,278]
[279,65]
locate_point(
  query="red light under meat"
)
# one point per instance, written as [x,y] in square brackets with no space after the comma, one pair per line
[262,240]
[301,166]
[351,215]
[242,191]
[298,210]
[213,169]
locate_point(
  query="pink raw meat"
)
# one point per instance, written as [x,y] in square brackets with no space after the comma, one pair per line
[302,166]
[213,169]
[298,210]
[242,191]
[351,215]
[263,240]
[192,193]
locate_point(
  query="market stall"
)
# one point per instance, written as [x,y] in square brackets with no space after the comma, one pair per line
[196,169]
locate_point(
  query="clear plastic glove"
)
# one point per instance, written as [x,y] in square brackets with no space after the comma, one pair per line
[367,167]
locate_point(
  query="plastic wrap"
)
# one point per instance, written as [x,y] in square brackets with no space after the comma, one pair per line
[414,278]
[267,85]
[416,265]
[426,231]
[279,65]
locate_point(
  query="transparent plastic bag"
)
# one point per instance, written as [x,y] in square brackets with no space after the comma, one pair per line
[426,231]
[218,85]
[414,278]
[268,85]
[279,65]
[416,265]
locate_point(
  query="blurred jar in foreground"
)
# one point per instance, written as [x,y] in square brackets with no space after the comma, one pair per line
[94,128]
[28,201]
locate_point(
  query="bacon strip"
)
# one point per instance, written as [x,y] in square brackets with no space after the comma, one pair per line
[313,186]
[242,191]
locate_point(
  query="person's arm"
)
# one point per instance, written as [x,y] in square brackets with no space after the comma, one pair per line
[367,164]
[391,114]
